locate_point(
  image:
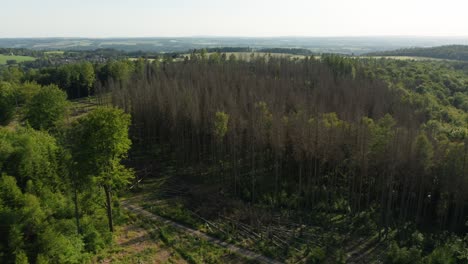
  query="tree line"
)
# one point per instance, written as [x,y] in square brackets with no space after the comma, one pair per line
[76,79]
[449,52]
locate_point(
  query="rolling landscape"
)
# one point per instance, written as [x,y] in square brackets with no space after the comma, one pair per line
[343,45]
[345,148]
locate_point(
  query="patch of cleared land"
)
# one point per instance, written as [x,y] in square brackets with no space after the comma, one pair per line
[54,52]
[134,244]
[4,58]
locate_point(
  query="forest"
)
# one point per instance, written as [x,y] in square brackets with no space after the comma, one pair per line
[448,52]
[307,158]
[380,138]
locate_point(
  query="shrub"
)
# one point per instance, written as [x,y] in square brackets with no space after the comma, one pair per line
[441,255]
[397,255]
[316,255]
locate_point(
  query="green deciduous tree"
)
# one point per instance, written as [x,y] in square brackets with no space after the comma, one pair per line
[46,108]
[120,70]
[7,103]
[221,124]
[29,155]
[13,74]
[26,91]
[100,142]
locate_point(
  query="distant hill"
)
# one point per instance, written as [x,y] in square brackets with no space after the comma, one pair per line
[316,45]
[449,52]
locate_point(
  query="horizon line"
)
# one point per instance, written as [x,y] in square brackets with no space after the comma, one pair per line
[246,37]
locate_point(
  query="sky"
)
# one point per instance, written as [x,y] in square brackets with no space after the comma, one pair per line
[250,18]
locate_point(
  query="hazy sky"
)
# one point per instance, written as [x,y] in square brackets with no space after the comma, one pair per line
[153,18]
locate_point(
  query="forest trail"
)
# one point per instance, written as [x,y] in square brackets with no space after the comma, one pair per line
[233,248]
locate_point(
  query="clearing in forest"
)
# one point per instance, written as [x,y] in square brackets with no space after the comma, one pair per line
[134,244]
[4,58]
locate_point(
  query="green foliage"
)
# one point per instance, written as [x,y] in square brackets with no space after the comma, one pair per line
[382,133]
[316,255]
[77,78]
[120,70]
[424,151]
[29,155]
[58,248]
[7,102]
[26,91]
[221,124]
[27,223]
[397,255]
[13,74]
[452,52]
[339,65]
[92,239]
[436,90]
[100,141]
[417,239]
[265,117]
[21,257]
[36,209]
[46,108]
[441,255]
[363,224]
[175,211]
[449,250]
[10,194]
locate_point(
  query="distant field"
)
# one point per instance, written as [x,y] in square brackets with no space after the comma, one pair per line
[135,58]
[55,52]
[5,58]
[404,58]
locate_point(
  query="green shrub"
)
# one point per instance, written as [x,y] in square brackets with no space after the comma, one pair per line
[397,255]
[363,224]
[21,258]
[316,255]
[93,240]
[441,255]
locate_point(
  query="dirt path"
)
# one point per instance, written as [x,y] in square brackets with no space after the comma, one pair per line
[233,248]
[134,244]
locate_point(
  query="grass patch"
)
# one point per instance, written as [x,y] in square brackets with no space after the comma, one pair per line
[135,244]
[4,58]
[192,249]
[174,210]
[55,52]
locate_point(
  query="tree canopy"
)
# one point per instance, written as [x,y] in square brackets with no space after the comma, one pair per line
[46,108]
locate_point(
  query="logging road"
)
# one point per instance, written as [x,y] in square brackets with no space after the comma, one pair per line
[233,248]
